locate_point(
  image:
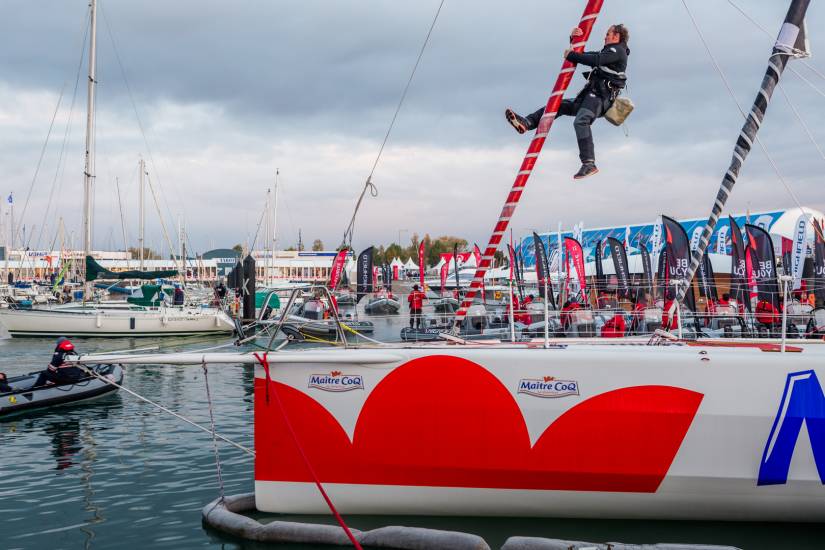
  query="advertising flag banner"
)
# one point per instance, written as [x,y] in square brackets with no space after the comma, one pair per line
[647,268]
[444,269]
[601,281]
[707,281]
[337,268]
[421,266]
[541,263]
[763,264]
[619,256]
[800,247]
[365,273]
[678,259]
[819,262]
[575,257]
[738,267]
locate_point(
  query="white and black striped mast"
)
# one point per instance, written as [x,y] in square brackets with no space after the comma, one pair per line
[791,42]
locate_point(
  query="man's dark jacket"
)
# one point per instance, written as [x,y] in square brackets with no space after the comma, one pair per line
[609,65]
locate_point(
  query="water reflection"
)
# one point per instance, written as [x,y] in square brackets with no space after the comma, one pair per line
[65,440]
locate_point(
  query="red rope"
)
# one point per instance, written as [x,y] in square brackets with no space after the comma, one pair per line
[591,11]
[265,364]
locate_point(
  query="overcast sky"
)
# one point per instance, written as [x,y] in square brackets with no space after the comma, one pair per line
[227,91]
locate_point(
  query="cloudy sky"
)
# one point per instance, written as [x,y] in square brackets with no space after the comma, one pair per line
[217,95]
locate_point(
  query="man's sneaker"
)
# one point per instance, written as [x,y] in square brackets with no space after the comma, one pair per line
[516,121]
[587,169]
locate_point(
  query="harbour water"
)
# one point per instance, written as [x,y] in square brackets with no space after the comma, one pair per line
[119,473]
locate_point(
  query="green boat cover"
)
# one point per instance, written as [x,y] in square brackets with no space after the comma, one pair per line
[96,271]
[150,298]
[260,298]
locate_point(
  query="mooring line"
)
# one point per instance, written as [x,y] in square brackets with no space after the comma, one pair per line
[214,437]
[164,409]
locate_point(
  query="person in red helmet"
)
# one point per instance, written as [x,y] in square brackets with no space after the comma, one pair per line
[58,372]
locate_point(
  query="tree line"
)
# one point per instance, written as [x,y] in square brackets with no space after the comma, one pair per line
[433,249]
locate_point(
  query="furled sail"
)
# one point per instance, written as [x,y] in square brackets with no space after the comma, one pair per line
[96,271]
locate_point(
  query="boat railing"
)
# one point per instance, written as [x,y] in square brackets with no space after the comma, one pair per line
[311,291]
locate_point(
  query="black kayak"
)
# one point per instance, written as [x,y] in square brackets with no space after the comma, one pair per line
[25,398]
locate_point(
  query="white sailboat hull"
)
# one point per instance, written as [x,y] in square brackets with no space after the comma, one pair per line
[114,323]
[619,431]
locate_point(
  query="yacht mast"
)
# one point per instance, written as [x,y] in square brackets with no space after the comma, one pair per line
[88,171]
[274,220]
[141,212]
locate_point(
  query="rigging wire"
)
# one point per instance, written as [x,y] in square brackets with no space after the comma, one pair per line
[807,64]
[61,167]
[20,224]
[122,221]
[139,120]
[368,185]
[739,107]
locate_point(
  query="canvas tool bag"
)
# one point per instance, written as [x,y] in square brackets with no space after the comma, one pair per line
[619,111]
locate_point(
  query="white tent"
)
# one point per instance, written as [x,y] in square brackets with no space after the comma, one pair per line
[411,265]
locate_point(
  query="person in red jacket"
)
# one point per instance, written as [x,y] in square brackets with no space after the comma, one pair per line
[766,313]
[416,301]
[615,327]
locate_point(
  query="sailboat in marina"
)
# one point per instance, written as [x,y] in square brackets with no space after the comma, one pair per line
[109,320]
[671,430]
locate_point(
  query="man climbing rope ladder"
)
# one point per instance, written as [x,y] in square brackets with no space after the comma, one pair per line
[604,83]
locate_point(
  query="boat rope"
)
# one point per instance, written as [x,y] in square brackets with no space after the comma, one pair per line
[212,424]
[360,335]
[805,62]
[89,371]
[780,55]
[122,219]
[588,19]
[801,121]
[264,362]
[20,224]
[172,251]
[769,35]
[369,185]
